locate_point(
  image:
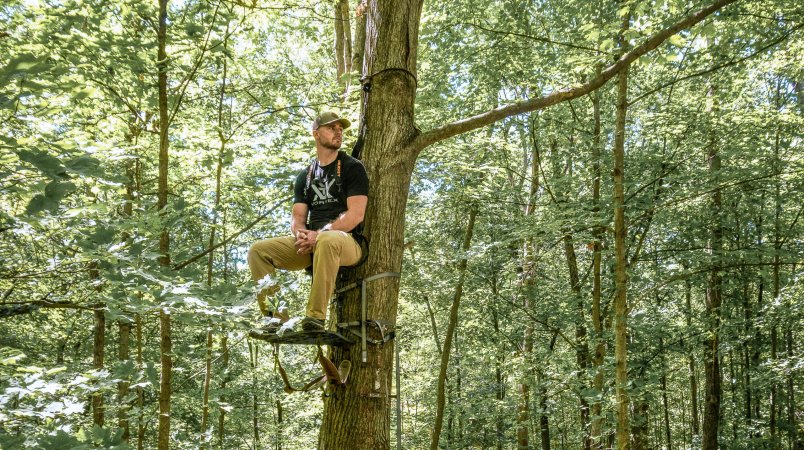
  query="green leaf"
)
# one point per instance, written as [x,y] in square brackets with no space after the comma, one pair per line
[677,40]
[47,164]
[57,190]
[40,203]
[20,64]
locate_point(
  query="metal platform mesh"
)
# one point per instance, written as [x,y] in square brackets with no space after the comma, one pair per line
[304,338]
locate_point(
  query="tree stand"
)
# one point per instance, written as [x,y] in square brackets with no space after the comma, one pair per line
[345,335]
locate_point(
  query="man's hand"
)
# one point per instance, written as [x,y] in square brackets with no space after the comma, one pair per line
[305,241]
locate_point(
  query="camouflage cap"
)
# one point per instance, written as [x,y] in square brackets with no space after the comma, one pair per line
[328,117]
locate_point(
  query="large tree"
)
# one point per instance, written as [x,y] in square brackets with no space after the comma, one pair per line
[359,416]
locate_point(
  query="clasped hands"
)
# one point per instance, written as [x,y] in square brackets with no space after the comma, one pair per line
[305,241]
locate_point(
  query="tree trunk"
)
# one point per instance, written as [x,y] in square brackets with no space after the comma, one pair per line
[211,257]
[205,398]
[165,342]
[596,431]
[358,416]
[714,297]
[222,399]
[343,40]
[451,330]
[255,408]
[581,344]
[359,43]
[544,417]
[640,425]
[499,391]
[140,390]
[279,423]
[668,442]
[621,274]
[528,281]
[696,423]
[97,363]
[124,328]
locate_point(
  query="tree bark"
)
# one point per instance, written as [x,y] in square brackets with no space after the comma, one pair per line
[124,328]
[97,363]
[528,281]
[451,330]
[359,42]
[255,408]
[596,431]
[222,399]
[140,390]
[696,424]
[621,271]
[714,297]
[205,397]
[340,43]
[581,344]
[358,415]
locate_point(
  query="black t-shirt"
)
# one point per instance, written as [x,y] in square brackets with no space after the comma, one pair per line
[326,190]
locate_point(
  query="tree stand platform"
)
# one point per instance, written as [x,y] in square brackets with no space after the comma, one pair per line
[331,338]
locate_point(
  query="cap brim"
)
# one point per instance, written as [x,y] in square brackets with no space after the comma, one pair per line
[345,123]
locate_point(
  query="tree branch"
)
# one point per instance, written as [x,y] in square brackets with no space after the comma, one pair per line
[487,118]
[232,237]
[733,62]
[529,36]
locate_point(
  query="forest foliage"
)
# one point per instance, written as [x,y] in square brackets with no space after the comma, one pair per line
[714,195]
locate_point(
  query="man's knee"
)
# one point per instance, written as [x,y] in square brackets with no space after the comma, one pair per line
[331,240]
[259,252]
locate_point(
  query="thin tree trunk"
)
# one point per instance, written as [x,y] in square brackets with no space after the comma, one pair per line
[222,400]
[140,390]
[124,328]
[458,384]
[713,300]
[581,344]
[668,441]
[499,391]
[124,324]
[205,399]
[433,323]
[97,362]
[544,417]
[279,423]
[795,434]
[451,327]
[359,44]
[211,256]
[640,425]
[340,44]
[620,233]
[528,282]
[596,431]
[696,424]
[255,410]
[523,413]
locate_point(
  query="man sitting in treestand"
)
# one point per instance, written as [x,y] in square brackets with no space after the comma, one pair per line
[329,202]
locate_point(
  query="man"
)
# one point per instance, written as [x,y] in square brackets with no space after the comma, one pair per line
[329,202]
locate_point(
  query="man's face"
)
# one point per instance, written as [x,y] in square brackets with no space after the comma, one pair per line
[330,135]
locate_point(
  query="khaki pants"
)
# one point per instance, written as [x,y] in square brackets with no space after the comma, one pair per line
[333,249]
